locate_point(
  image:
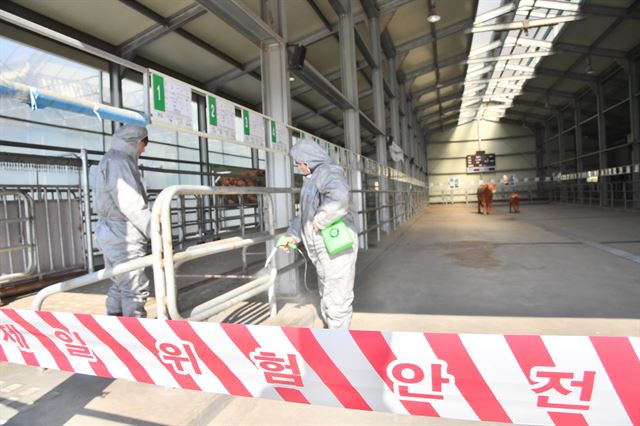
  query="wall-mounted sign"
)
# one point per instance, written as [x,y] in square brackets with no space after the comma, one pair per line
[222,115]
[253,125]
[171,101]
[279,136]
[509,180]
[481,162]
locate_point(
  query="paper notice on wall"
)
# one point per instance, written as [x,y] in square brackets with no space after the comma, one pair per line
[171,101]
[253,125]
[222,115]
[278,136]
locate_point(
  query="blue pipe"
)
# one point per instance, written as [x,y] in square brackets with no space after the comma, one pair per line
[39,99]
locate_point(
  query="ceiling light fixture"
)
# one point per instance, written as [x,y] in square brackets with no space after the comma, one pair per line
[433,15]
[292,78]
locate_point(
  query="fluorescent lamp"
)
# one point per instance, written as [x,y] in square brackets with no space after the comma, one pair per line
[527,55]
[519,25]
[521,41]
[546,4]
[494,13]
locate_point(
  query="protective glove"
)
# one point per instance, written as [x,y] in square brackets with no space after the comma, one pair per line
[286,242]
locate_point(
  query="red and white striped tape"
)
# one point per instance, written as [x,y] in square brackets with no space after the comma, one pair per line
[565,380]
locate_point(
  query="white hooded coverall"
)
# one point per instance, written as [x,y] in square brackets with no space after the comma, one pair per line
[324,198]
[124,220]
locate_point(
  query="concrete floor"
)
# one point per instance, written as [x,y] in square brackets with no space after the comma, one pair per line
[552,269]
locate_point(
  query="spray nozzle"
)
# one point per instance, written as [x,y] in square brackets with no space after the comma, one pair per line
[282,241]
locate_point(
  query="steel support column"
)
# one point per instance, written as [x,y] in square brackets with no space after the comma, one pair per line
[276,103]
[602,142]
[348,54]
[404,125]
[412,138]
[539,135]
[115,85]
[561,144]
[634,116]
[394,108]
[205,203]
[577,119]
[379,114]
[547,150]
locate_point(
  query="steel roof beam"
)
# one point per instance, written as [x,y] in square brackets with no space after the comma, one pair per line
[429,38]
[328,107]
[332,76]
[452,81]
[313,78]
[519,121]
[364,49]
[596,51]
[563,74]
[452,108]
[387,45]
[162,27]
[458,59]
[628,11]
[368,124]
[426,105]
[527,113]
[369,7]
[550,92]
[616,12]
[242,19]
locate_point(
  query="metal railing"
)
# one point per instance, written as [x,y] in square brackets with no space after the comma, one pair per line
[18,221]
[165,262]
[400,205]
[603,194]
[57,227]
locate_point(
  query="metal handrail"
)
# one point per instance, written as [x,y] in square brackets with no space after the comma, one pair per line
[164,261]
[92,278]
[29,247]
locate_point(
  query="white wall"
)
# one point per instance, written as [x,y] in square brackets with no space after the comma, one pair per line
[513,145]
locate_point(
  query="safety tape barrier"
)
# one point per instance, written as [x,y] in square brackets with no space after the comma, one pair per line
[564,380]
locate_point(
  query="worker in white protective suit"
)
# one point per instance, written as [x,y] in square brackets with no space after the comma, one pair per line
[124,219]
[324,199]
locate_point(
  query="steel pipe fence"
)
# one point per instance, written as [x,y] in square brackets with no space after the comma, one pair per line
[603,194]
[165,265]
[401,206]
[17,243]
[617,187]
[55,213]
[162,248]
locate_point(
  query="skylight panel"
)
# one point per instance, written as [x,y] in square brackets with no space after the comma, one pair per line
[504,53]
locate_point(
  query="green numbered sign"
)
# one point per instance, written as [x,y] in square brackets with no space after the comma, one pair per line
[158,92]
[274,138]
[245,122]
[213,111]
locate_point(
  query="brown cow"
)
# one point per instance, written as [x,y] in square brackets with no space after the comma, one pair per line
[514,203]
[248,178]
[485,197]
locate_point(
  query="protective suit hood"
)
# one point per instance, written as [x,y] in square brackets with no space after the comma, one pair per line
[126,139]
[307,151]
